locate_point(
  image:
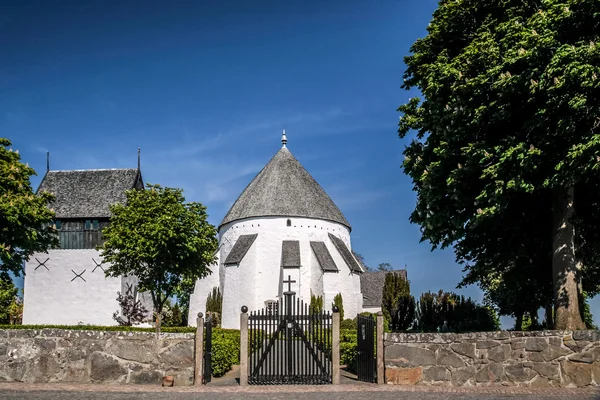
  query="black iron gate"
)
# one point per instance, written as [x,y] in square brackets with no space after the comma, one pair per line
[289,344]
[366,362]
[207,349]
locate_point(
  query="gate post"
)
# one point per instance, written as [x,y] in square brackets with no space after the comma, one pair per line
[199,353]
[244,346]
[335,347]
[380,351]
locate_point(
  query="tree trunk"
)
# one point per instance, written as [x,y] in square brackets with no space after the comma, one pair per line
[158,313]
[564,268]
[519,321]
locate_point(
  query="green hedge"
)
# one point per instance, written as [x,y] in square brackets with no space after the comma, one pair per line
[348,343]
[171,329]
[225,350]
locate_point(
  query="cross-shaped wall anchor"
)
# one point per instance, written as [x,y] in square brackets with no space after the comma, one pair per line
[289,282]
[98,265]
[78,276]
[129,288]
[41,264]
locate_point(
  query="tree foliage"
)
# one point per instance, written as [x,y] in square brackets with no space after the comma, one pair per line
[159,238]
[25,218]
[398,305]
[131,310]
[384,267]
[339,302]
[316,303]
[214,305]
[509,117]
[8,300]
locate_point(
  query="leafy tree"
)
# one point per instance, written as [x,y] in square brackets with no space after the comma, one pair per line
[159,238]
[510,112]
[384,267]
[25,219]
[316,303]
[132,311]
[8,297]
[214,302]
[339,302]
[398,305]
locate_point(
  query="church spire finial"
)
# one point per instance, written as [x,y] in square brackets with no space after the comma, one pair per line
[283,139]
[138,158]
[47,161]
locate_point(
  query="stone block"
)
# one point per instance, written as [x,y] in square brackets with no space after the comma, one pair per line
[105,368]
[447,357]
[3,349]
[518,373]
[555,341]
[553,352]
[586,357]
[576,374]
[540,382]
[434,374]
[461,375]
[132,350]
[465,349]
[576,346]
[42,369]
[499,353]
[487,344]
[408,356]
[14,370]
[180,355]
[517,344]
[403,376]
[490,373]
[587,335]
[546,369]
[152,377]
[45,344]
[535,344]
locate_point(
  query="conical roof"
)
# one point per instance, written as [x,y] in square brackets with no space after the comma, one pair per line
[283,188]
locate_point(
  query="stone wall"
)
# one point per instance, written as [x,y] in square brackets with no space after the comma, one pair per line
[530,359]
[57,355]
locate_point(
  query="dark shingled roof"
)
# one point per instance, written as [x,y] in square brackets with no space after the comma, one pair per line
[240,248]
[371,286]
[88,193]
[284,188]
[345,253]
[324,257]
[290,254]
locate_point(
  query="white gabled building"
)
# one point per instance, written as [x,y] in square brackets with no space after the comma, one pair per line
[282,226]
[67,286]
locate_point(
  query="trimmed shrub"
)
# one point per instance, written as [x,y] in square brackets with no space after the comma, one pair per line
[348,324]
[398,305]
[225,350]
[339,302]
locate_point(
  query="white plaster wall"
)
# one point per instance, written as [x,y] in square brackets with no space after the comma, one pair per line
[258,278]
[50,297]
[202,289]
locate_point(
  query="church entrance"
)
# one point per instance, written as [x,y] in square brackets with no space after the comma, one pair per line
[290,344]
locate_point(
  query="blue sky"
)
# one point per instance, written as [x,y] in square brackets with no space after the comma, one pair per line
[205,88]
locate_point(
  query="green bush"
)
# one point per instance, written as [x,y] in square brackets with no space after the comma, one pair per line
[115,328]
[348,354]
[348,324]
[225,350]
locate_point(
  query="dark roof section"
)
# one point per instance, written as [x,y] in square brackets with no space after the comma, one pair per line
[371,286]
[345,253]
[283,188]
[88,193]
[240,248]
[290,254]
[324,257]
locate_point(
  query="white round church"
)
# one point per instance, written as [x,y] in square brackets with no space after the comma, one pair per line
[283,227]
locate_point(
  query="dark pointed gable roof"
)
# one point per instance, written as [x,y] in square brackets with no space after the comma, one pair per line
[88,193]
[240,248]
[371,286]
[345,253]
[323,257]
[284,189]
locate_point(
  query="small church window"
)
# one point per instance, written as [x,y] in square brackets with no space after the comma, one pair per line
[58,224]
[95,224]
[87,224]
[289,222]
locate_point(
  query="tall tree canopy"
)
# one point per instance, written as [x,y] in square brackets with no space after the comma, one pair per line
[160,239]
[510,116]
[25,219]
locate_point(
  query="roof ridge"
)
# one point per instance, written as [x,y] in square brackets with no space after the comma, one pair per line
[93,169]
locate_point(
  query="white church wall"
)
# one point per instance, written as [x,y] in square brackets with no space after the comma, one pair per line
[343,283]
[201,291]
[56,296]
[262,281]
